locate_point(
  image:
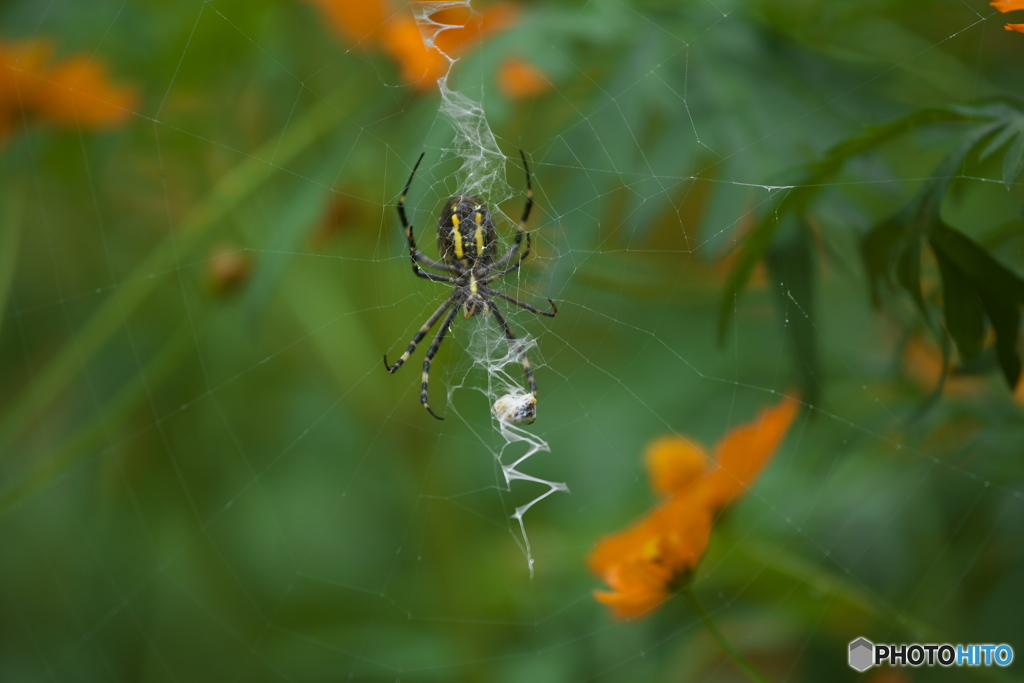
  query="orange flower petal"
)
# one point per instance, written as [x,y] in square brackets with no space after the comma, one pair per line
[519,79]
[1008,6]
[21,59]
[465,26]
[79,93]
[617,548]
[641,563]
[630,605]
[421,66]
[357,21]
[1015,27]
[20,67]
[743,453]
[75,92]
[686,529]
[637,588]
[675,464]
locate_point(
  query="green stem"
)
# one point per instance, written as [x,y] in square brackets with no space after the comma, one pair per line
[740,661]
[10,235]
[232,190]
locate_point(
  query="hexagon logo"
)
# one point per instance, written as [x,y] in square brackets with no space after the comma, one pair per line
[862,654]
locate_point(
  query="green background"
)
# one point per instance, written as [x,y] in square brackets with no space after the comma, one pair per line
[200,484]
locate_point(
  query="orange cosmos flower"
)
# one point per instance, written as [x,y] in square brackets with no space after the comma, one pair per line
[421,65]
[18,62]
[642,564]
[451,31]
[358,22]
[1005,6]
[75,92]
[519,79]
[457,29]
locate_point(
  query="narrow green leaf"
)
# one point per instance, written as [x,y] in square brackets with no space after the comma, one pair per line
[876,135]
[962,308]
[934,191]
[908,273]
[988,274]
[1005,317]
[291,220]
[994,108]
[790,263]
[797,199]
[1013,160]
[1009,131]
[10,236]
[879,249]
[754,248]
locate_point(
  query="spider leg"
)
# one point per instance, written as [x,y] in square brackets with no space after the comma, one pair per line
[431,352]
[522,304]
[431,276]
[420,335]
[497,264]
[514,341]
[510,254]
[414,253]
[405,191]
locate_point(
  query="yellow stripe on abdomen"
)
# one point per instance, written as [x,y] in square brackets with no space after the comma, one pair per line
[457,237]
[479,234]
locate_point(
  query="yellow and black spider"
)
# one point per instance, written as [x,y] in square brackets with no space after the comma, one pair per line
[467,242]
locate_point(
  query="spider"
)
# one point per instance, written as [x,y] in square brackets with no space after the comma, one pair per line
[467,242]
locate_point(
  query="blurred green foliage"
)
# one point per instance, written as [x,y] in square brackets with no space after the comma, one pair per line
[205,474]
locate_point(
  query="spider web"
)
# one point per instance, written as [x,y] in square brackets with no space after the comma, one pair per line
[201,484]
[482,171]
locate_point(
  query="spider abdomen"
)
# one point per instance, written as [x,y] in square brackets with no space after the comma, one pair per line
[465,233]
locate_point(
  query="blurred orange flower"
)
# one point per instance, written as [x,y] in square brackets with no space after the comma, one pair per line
[75,92]
[642,564]
[1005,6]
[451,30]
[519,79]
[421,66]
[359,23]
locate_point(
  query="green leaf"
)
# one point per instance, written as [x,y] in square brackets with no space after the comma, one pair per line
[934,191]
[962,308]
[1000,290]
[879,249]
[908,274]
[876,135]
[815,180]
[290,221]
[10,236]
[753,250]
[790,263]
[1013,161]
[988,274]
[1005,318]
[1009,131]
